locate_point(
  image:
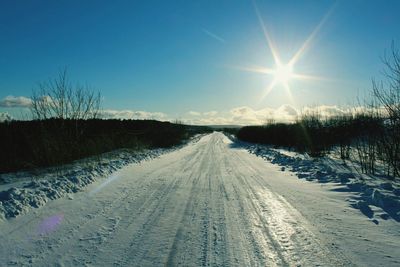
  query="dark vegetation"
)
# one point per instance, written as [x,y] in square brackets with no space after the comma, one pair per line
[67,126]
[314,135]
[42,143]
[370,137]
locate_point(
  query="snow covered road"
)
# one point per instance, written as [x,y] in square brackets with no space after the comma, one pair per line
[207,204]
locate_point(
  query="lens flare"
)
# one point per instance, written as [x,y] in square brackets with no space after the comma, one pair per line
[50,224]
[283,73]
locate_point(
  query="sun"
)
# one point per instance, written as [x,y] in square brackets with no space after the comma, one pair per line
[283,73]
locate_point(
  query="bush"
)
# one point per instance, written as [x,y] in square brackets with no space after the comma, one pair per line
[315,135]
[42,143]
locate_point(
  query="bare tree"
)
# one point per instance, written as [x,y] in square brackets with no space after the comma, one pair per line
[387,94]
[59,98]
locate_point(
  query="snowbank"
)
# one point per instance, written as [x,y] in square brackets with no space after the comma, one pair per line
[370,190]
[19,199]
[35,190]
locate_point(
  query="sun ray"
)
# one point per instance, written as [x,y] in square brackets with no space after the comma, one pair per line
[308,41]
[289,93]
[268,90]
[309,77]
[271,45]
[283,73]
[254,69]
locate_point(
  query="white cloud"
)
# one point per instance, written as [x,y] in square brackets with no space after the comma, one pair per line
[131,114]
[236,116]
[207,114]
[4,116]
[326,111]
[210,113]
[208,121]
[194,113]
[245,115]
[285,113]
[287,110]
[329,111]
[15,102]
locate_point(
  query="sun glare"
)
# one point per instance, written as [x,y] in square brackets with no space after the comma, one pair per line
[283,73]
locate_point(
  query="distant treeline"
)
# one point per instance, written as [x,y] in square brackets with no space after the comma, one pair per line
[314,135]
[41,143]
[367,138]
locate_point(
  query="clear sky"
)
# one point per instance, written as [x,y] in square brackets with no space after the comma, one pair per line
[187,59]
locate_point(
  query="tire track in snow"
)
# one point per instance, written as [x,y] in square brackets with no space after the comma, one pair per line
[196,213]
[204,205]
[264,246]
[297,242]
[69,240]
[135,251]
[140,213]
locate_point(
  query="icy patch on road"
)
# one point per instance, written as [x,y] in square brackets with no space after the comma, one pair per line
[370,190]
[24,191]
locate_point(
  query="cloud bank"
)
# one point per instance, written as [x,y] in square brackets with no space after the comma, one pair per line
[245,115]
[15,102]
[242,115]
[131,114]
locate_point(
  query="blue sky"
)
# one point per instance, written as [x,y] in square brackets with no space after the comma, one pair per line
[184,59]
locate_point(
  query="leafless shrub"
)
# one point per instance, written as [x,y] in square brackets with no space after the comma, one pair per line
[59,98]
[270,121]
[387,95]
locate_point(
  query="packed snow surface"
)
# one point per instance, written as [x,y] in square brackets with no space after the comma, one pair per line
[370,190]
[210,203]
[35,191]
[19,192]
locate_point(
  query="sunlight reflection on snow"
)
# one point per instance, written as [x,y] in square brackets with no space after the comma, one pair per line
[103,184]
[278,211]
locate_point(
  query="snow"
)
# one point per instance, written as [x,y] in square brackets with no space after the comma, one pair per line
[370,190]
[210,203]
[23,191]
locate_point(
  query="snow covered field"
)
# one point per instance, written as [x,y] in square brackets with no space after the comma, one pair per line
[210,203]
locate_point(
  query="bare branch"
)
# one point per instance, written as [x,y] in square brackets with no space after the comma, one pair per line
[57,98]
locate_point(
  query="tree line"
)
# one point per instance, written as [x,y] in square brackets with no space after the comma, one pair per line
[66,125]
